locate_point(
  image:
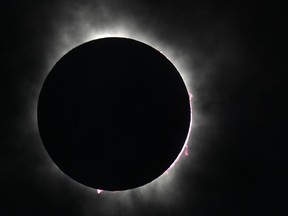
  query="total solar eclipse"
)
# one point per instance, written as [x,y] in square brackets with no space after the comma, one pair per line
[113,114]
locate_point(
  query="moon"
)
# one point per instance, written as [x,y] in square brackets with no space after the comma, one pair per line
[113,114]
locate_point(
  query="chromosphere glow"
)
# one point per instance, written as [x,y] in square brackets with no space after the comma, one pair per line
[183,152]
[185,146]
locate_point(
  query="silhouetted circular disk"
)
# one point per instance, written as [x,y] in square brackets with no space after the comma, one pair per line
[113,113]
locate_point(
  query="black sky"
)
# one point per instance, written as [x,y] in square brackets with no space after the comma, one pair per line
[233,54]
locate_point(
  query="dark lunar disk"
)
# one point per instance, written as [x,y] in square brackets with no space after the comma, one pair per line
[113,114]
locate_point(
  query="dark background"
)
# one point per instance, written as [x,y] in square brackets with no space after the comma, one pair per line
[234,56]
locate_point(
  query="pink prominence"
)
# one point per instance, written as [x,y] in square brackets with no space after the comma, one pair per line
[99,191]
[185,147]
[186,150]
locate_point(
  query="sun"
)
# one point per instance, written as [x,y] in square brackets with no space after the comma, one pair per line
[66,39]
